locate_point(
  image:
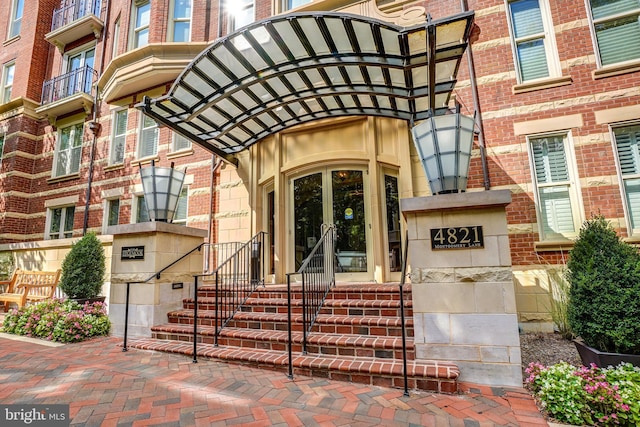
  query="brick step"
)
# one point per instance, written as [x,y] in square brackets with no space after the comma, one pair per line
[362,292]
[333,344]
[357,325]
[336,307]
[435,376]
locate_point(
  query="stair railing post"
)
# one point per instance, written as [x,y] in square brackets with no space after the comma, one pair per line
[290,376]
[304,314]
[126,318]
[402,321]
[195,320]
[216,313]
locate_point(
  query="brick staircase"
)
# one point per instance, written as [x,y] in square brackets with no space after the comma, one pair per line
[357,337]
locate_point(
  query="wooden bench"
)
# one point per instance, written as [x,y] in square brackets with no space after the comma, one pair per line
[29,286]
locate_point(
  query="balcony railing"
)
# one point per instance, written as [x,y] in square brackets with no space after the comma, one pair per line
[73,11]
[76,81]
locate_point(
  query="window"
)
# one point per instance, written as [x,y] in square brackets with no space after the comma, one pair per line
[116,39]
[1,146]
[627,141]
[180,25]
[616,25]
[60,222]
[68,151]
[141,214]
[7,81]
[79,67]
[180,216]
[113,212]
[148,143]
[241,13]
[142,14]
[118,137]
[180,143]
[532,41]
[292,4]
[16,18]
[556,195]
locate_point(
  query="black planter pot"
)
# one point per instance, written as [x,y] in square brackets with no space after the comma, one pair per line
[601,359]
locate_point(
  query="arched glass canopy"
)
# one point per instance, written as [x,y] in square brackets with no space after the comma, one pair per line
[295,68]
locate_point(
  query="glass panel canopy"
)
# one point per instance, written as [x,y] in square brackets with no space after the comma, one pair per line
[300,67]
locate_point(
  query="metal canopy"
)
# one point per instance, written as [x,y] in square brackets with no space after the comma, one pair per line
[296,68]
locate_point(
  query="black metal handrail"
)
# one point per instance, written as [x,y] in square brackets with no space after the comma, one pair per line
[235,280]
[217,253]
[156,275]
[73,11]
[318,274]
[65,85]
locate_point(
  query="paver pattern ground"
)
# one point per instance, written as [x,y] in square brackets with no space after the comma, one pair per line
[105,386]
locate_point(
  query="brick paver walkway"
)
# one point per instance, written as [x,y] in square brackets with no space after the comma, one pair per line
[107,387]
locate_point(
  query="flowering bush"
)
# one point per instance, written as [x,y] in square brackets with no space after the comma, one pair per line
[588,395]
[58,320]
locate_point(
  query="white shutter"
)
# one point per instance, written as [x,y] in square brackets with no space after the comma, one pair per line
[556,210]
[148,138]
[628,148]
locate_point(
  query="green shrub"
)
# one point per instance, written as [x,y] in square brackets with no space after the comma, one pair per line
[587,396]
[6,265]
[57,320]
[604,278]
[83,268]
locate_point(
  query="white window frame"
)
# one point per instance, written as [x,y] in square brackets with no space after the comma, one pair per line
[575,198]
[17,13]
[138,28]
[62,234]
[594,22]
[76,127]
[176,139]
[237,8]
[114,136]
[7,81]
[107,213]
[173,21]
[116,38]
[135,208]
[547,36]
[184,194]
[142,130]
[622,178]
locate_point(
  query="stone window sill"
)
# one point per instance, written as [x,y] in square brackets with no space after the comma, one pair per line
[542,84]
[616,69]
[63,178]
[553,245]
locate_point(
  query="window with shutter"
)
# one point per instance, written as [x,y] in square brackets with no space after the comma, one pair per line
[60,222]
[627,140]
[148,145]
[180,216]
[180,143]
[118,139]
[69,150]
[556,196]
[534,50]
[617,28]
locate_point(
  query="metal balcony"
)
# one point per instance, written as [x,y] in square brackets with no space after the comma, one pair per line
[68,92]
[75,20]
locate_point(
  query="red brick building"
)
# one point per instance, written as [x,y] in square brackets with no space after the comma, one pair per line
[558,86]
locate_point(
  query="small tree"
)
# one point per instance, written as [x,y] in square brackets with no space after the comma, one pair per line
[6,265]
[83,268]
[604,296]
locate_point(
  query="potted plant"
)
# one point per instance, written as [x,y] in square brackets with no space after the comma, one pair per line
[83,270]
[604,296]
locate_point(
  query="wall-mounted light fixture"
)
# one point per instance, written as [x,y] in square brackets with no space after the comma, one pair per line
[161,187]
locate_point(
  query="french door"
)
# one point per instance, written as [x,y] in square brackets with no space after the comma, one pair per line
[333,196]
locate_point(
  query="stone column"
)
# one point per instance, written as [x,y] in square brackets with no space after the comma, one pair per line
[150,302]
[464,308]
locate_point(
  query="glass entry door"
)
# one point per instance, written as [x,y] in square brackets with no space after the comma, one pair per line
[332,197]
